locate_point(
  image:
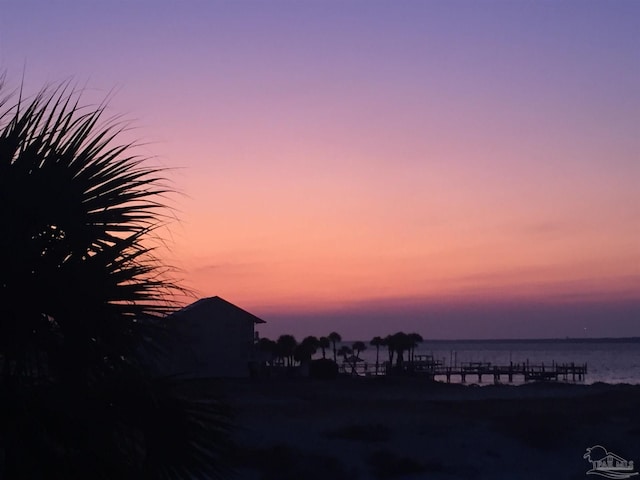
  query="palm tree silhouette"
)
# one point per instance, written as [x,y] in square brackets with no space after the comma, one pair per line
[306,349]
[414,340]
[345,351]
[358,347]
[268,347]
[324,343]
[335,337]
[377,342]
[286,347]
[81,297]
[399,343]
[390,344]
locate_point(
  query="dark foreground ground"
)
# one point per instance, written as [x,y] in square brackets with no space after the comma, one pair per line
[389,428]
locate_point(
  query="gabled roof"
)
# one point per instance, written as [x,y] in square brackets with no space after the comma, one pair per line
[221,306]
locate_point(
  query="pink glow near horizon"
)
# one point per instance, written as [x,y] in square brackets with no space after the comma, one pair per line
[338,154]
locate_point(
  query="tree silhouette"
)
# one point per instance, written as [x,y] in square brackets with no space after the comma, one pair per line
[399,343]
[286,347]
[269,347]
[311,342]
[414,340]
[388,341]
[335,337]
[377,342]
[358,347]
[345,351]
[81,297]
[305,350]
[324,343]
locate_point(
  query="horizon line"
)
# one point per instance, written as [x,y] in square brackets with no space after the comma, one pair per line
[631,339]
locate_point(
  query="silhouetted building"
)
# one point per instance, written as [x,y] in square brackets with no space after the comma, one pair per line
[212,338]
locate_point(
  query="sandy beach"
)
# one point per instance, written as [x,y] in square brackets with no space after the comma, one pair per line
[407,428]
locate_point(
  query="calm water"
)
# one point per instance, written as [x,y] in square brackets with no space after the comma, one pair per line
[610,361]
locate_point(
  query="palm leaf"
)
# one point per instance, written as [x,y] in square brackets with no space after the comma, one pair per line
[80,213]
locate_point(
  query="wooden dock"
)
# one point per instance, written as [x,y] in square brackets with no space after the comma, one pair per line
[426,365]
[524,371]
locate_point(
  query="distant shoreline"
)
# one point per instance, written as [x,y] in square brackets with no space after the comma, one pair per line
[533,340]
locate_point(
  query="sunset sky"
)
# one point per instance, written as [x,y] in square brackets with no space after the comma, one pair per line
[463,169]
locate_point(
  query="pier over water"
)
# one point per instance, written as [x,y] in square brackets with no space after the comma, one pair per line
[432,369]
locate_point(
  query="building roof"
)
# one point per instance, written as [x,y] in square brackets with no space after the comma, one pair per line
[221,306]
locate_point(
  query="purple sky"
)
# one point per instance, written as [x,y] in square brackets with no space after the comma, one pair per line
[462,169]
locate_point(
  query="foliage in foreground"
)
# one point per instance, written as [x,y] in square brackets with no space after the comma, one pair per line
[81,296]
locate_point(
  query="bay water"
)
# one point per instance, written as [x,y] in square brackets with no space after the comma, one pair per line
[613,360]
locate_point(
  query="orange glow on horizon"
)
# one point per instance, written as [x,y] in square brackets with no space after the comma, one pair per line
[420,152]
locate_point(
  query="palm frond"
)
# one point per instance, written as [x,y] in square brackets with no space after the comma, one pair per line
[80,213]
